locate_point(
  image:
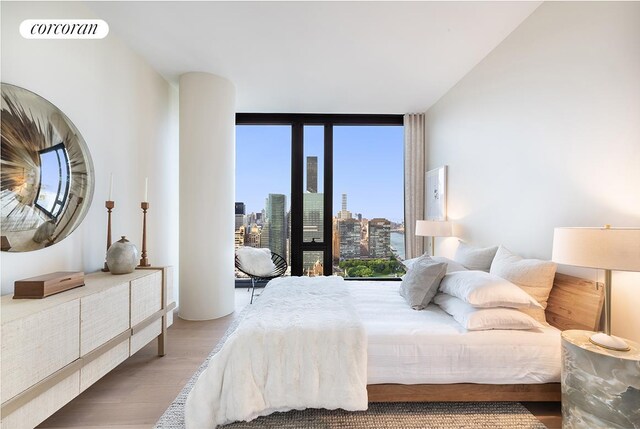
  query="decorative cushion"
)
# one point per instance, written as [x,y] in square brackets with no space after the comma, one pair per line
[475,258]
[485,290]
[452,265]
[479,319]
[421,282]
[255,261]
[408,263]
[534,276]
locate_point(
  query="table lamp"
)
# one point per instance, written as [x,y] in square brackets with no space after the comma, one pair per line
[433,229]
[605,248]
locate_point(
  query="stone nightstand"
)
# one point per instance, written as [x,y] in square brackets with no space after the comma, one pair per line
[600,387]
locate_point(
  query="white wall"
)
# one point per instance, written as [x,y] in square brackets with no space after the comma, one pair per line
[545,132]
[126,112]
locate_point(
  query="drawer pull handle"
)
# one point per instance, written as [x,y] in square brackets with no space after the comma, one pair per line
[64,280]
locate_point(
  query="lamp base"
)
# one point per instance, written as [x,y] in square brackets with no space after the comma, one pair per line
[609,342]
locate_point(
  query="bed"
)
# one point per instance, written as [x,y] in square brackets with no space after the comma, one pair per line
[574,303]
[322,343]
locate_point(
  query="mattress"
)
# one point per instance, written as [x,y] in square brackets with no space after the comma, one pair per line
[406,346]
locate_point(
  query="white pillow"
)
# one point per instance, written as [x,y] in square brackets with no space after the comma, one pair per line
[408,263]
[452,265]
[479,319]
[475,258]
[421,282]
[255,261]
[485,290]
[534,276]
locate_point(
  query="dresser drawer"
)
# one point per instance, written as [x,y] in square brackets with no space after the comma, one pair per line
[104,315]
[97,368]
[146,297]
[142,338]
[38,409]
[36,346]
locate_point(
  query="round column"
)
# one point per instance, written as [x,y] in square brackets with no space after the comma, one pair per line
[207,194]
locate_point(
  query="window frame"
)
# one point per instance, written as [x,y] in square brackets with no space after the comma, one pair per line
[62,192]
[297,121]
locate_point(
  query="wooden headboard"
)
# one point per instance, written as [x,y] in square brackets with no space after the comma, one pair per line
[575,303]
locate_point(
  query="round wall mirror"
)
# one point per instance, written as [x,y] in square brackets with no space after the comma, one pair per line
[46,176]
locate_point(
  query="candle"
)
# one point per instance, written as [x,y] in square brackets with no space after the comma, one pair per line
[146,189]
[111,187]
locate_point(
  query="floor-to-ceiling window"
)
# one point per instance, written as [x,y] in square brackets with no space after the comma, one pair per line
[368,197]
[263,187]
[323,191]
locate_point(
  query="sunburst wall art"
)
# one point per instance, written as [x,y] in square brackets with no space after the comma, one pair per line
[46,172]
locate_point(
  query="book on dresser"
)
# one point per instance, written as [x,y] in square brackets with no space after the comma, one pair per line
[55,348]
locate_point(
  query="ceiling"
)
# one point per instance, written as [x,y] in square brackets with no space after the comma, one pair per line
[328,57]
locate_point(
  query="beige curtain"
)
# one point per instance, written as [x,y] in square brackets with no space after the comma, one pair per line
[414,171]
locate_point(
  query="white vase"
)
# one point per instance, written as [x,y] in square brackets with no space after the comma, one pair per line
[122,257]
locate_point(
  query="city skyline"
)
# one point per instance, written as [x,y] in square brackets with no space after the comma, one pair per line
[368,166]
[354,238]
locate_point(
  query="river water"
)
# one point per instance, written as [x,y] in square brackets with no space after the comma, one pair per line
[397,242]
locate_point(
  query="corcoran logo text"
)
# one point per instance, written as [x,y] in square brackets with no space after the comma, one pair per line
[64,29]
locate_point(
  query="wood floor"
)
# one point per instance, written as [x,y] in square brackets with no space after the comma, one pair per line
[136,393]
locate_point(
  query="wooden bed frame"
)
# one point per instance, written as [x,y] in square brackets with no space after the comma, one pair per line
[574,303]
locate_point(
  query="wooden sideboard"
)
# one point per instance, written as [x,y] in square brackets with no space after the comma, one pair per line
[55,348]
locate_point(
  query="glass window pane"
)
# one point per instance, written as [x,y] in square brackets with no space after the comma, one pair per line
[54,166]
[313,197]
[49,180]
[368,228]
[263,184]
[312,263]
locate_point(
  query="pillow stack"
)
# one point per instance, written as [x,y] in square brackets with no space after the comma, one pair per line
[475,258]
[482,288]
[481,301]
[534,276]
[452,266]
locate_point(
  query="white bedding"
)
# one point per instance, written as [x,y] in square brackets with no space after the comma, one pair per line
[300,345]
[429,347]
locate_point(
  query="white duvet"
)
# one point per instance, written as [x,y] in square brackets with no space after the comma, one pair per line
[300,345]
[429,347]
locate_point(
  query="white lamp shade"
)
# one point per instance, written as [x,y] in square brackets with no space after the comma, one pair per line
[615,249]
[433,228]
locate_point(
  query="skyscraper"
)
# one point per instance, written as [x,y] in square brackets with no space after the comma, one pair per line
[349,238]
[239,236]
[379,238]
[312,174]
[264,236]
[312,217]
[344,213]
[252,236]
[277,224]
[240,212]
[312,224]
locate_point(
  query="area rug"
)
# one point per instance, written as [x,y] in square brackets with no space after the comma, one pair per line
[442,415]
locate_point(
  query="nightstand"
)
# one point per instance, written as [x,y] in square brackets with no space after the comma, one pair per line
[600,387]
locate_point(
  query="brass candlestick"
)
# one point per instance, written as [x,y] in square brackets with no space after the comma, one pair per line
[109,205]
[144,261]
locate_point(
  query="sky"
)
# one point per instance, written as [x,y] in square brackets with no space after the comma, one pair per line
[368,166]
